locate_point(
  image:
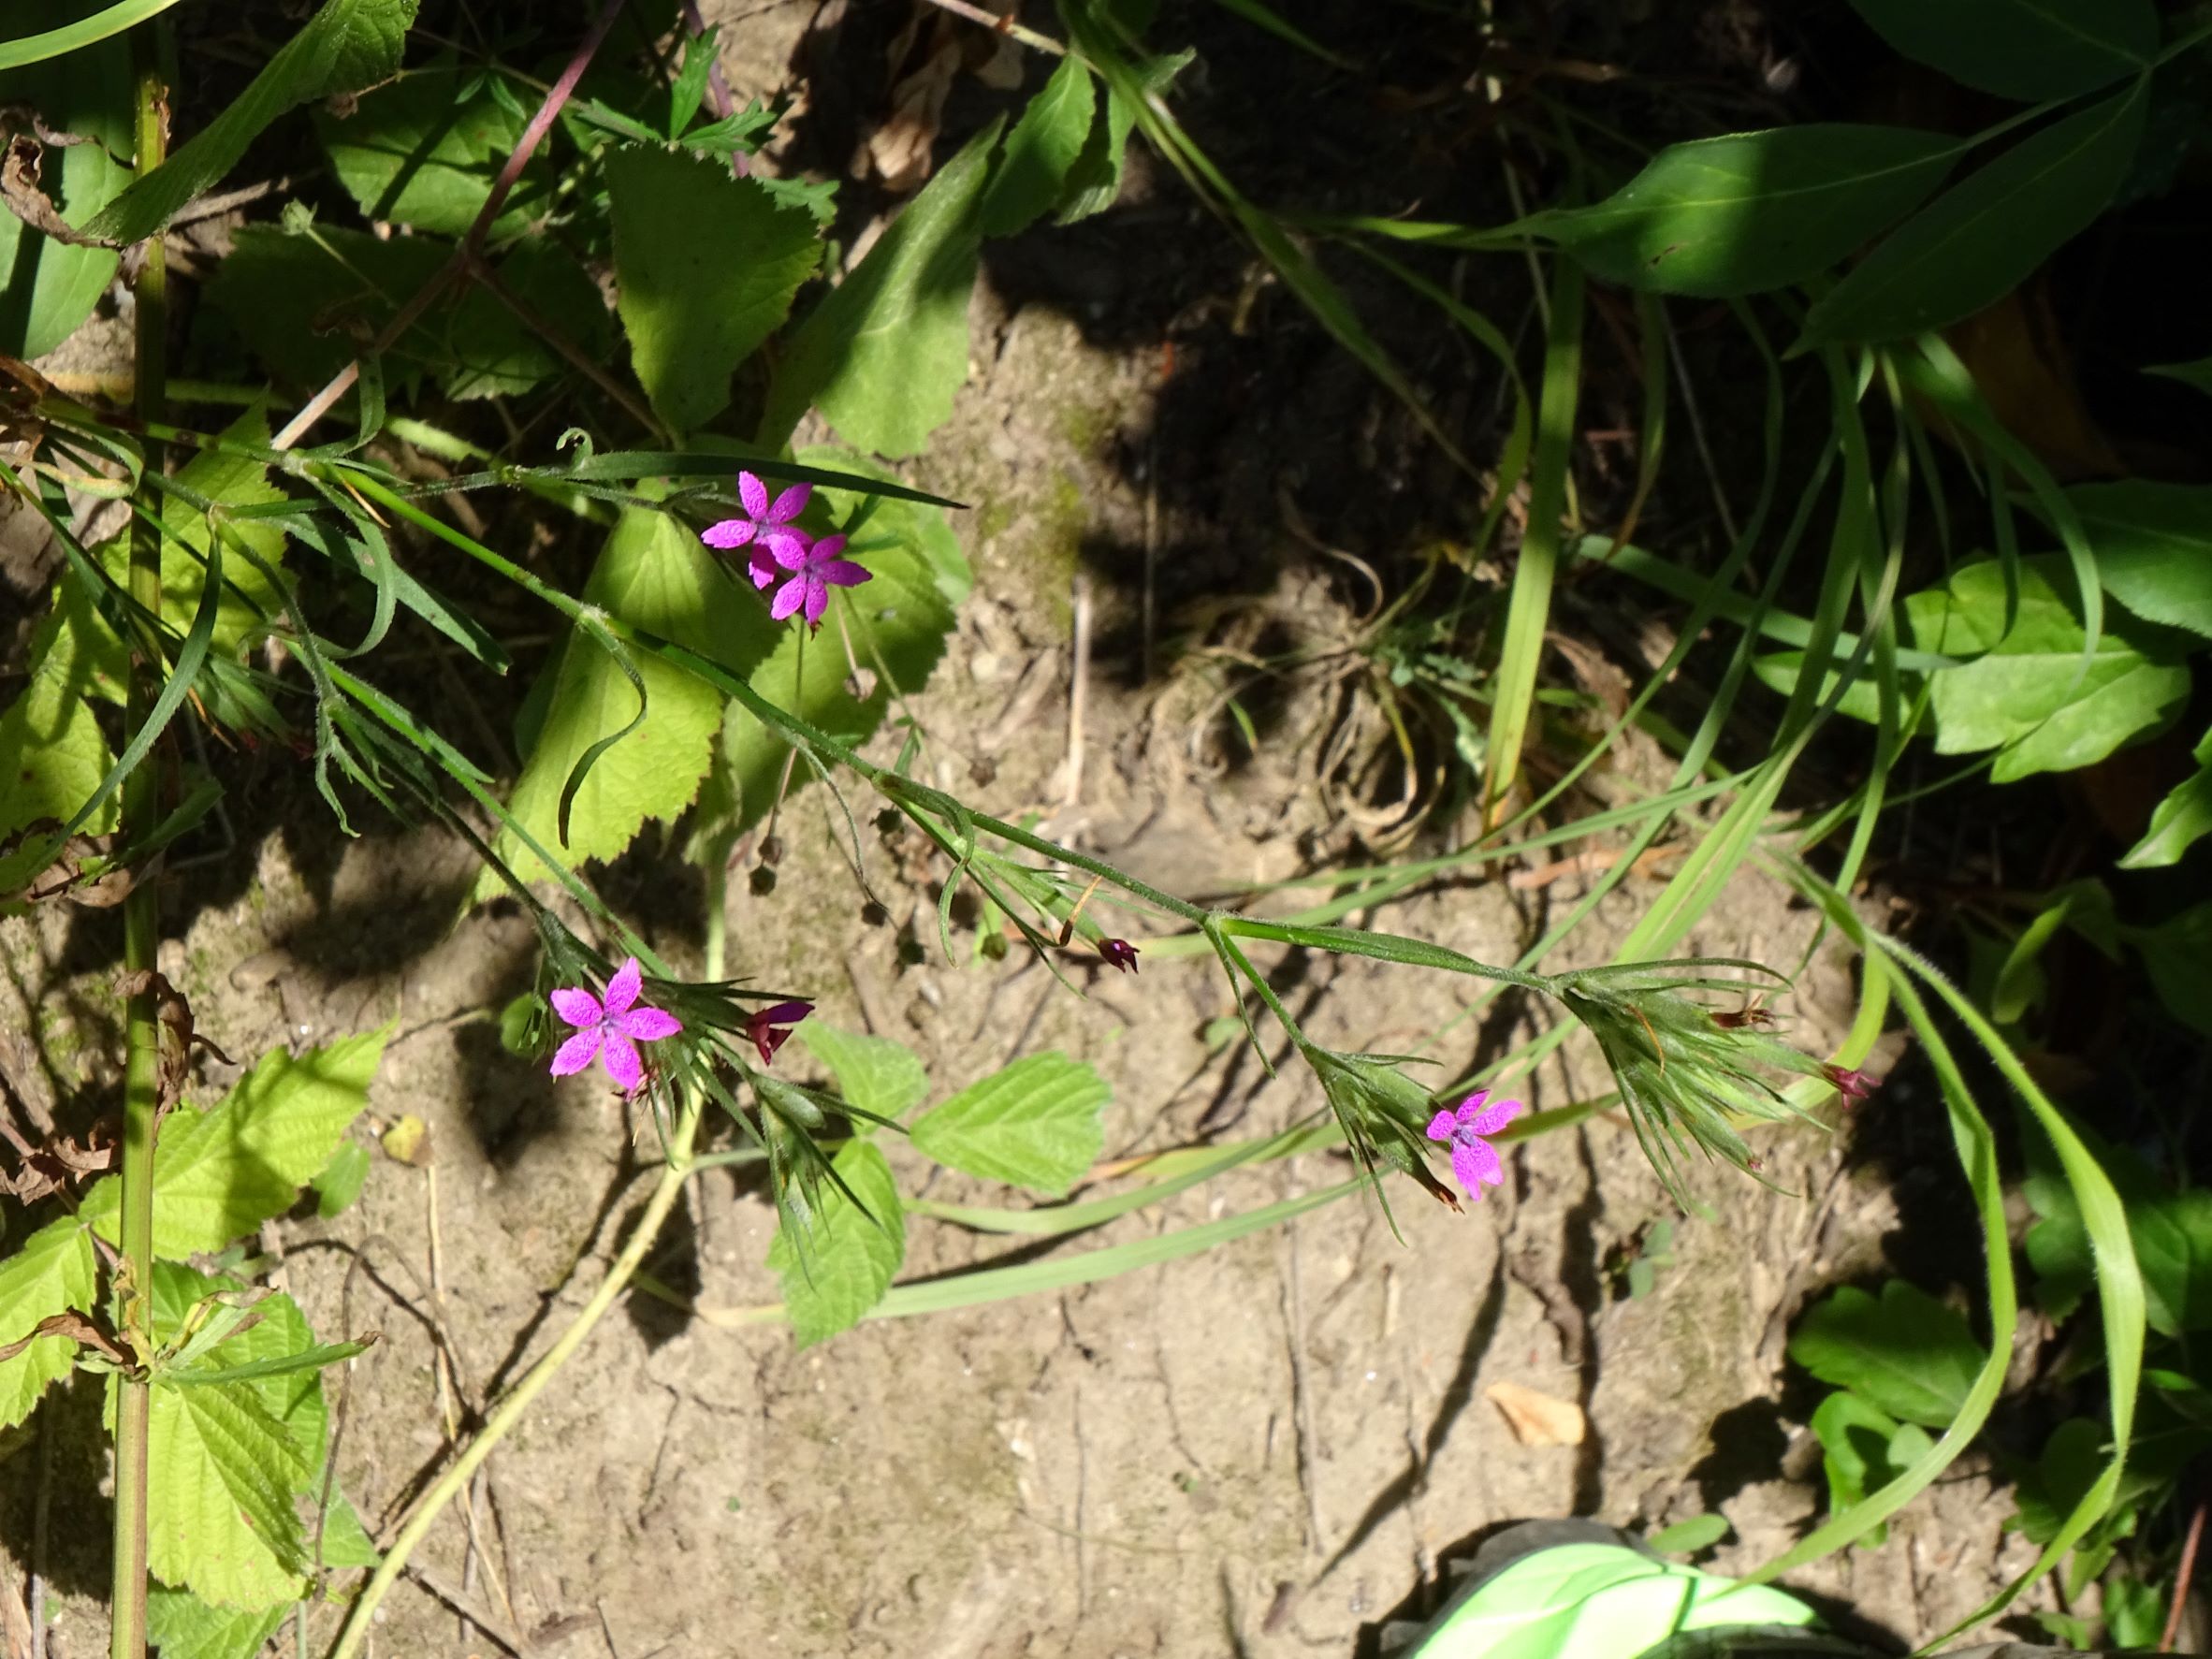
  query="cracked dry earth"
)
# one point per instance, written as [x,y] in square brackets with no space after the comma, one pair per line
[1269,1448]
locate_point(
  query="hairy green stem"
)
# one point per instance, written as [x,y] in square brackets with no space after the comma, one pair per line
[141,926]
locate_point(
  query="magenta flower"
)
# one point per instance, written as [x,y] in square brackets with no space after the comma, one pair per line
[1120,953]
[815,570]
[1474,1159]
[766,527]
[1853,1086]
[762,1023]
[610,1032]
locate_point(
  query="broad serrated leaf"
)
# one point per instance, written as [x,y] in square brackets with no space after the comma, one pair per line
[2023,692]
[348,45]
[415,153]
[221,1174]
[1037,1124]
[182,1626]
[874,1073]
[225,1461]
[849,1255]
[2179,821]
[46,287]
[346,1542]
[1908,1354]
[884,352]
[1751,212]
[2029,50]
[1041,150]
[52,753]
[52,1272]
[653,575]
[898,622]
[706,267]
[1974,243]
[2153,545]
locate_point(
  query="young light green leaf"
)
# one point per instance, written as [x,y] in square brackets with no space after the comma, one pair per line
[1974,242]
[221,1174]
[182,1626]
[1041,150]
[47,286]
[2153,544]
[883,354]
[2022,692]
[874,1073]
[2179,821]
[1859,1442]
[1908,1354]
[653,575]
[849,1255]
[348,45]
[52,1271]
[1750,211]
[1036,1124]
[2029,50]
[346,1542]
[341,1179]
[415,152]
[705,266]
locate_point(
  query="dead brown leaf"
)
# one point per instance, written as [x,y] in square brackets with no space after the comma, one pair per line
[1537,1418]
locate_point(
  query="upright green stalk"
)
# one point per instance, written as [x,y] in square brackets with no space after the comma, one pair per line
[142,920]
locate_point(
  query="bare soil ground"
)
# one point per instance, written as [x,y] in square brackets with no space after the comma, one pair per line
[1272,1447]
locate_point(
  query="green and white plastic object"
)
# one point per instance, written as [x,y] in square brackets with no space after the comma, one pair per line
[1599,1598]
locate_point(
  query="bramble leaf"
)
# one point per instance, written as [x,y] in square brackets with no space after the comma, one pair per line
[849,1257]
[874,1073]
[182,1626]
[707,266]
[221,1174]
[1036,1124]
[52,1272]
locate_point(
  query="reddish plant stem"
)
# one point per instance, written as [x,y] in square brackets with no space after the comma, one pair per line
[2182,1575]
[465,256]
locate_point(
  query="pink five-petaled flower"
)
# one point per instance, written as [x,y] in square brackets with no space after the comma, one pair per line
[1853,1086]
[610,1031]
[766,527]
[1120,953]
[1474,1159]
[761,1025]
[815,569]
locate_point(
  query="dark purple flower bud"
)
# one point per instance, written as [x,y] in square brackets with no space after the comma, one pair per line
[1853,1086]
[1120,953]
[763,1027]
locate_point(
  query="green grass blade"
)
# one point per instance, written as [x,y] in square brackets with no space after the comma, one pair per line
[101,25]
[1529,613]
